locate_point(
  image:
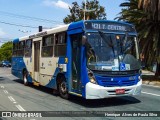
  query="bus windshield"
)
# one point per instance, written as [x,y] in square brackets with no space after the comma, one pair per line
[112,52]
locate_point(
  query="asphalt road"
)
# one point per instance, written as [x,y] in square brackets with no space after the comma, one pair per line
[14,96]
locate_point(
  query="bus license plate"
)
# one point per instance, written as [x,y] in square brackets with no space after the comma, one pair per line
[120,91]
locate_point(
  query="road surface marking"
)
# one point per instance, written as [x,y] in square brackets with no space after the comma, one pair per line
[5,91]
[14,102]
[2,86]
[152,86]
[150,93]
[20,108]
[11,98]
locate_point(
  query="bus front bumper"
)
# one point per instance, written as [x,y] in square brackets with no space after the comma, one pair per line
[94,91]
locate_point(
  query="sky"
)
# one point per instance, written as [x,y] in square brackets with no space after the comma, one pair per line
[50,13]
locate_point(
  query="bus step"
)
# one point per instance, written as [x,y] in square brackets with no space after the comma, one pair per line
[36,83]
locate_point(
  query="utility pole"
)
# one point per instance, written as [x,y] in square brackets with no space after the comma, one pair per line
[84,9]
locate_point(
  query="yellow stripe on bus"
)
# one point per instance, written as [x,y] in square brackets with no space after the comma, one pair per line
[75,94]
[36,83]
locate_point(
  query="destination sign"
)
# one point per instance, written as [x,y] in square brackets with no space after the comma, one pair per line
[38,35]
[111,26]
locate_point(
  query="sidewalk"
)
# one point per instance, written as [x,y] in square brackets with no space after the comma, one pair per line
[149,79]
[145,72]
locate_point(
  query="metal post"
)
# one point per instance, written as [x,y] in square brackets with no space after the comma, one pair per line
[84,9]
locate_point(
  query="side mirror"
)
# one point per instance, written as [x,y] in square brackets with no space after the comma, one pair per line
[84,39]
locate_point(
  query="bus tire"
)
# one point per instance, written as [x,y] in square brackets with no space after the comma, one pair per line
[62,88]
[25,81]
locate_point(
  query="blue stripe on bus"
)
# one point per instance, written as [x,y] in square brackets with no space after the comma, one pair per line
[17,68]
[84,72]
[117,81]
[69,69]
[53,83]
[76,25]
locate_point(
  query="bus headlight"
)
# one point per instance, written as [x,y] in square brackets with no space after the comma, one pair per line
[91,77]
[93,80]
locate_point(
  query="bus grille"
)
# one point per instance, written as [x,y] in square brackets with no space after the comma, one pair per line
[117,81]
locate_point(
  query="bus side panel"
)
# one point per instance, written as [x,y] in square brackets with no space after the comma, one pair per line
[28,64]
[28,67]
[52,83]
[84,73]
[17,66]
[14,66]
[69,56]
[47,69]
[84,76]
[20,67]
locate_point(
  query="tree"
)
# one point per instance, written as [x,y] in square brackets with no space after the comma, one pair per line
[6,51]
[145,14]
[130,12]
[152,35]
[77,12]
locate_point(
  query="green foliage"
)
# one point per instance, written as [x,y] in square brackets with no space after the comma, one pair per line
[145,14]
[6,51]
[77,13]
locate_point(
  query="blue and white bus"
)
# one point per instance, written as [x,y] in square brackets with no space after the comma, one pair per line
[92,59]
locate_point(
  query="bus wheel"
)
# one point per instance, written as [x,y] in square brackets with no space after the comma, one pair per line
[63,89]
[25,78]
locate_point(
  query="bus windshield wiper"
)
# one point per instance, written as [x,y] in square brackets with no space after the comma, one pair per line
[125,48]
[105,39]
[130,44]
[103,36]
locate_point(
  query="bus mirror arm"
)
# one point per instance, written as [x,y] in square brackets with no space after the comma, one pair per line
[84,40]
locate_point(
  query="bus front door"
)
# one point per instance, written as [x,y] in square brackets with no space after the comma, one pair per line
[76,62]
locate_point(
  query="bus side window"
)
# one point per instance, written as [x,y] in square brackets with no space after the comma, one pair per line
[60,44]
[21,48]
[14,49]
[28,48]
[47,46]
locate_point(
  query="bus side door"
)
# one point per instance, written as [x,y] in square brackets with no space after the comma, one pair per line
[36,60]
[76,62]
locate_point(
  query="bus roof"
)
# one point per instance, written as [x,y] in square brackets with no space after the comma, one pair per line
[40,34]
[71,26]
